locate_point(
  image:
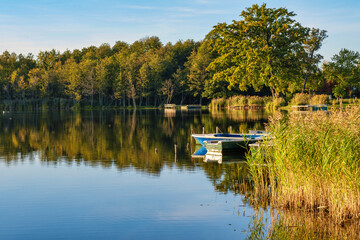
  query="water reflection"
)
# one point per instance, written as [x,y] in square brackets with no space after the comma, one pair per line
[280,225]
[143,139]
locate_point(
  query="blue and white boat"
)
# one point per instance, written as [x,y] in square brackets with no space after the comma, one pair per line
[251,136]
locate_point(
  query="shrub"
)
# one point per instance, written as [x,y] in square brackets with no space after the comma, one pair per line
[255,100]
[301,99]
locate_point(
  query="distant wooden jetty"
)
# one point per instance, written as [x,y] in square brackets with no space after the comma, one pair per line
[247,107]
[313,108]
[188,107]
[182,107]
[169,106]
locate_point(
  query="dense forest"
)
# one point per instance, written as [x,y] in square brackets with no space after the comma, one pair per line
[266,52]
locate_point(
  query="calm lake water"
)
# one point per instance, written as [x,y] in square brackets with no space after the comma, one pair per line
[114,175]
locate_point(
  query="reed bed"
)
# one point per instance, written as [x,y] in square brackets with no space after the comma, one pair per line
[313,163]
[218,103]
[320,99]
[306,99]
[270,103]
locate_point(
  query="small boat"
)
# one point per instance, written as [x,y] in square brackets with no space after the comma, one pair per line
[201,138]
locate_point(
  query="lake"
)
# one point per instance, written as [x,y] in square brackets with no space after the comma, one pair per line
[115,175]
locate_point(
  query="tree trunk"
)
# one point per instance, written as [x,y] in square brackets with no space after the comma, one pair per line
[92,100]
[100,99]
[305,80]
[272,92]
[124,99]
[134,102]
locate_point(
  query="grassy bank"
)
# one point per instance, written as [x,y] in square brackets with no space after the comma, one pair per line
[313,163]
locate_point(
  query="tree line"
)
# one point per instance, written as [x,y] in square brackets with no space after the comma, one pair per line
[266,52]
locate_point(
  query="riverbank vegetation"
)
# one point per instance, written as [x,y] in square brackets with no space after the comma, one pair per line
[312,163]
[247,102]
[265,53]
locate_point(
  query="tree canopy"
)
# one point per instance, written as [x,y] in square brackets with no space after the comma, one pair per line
[265,51]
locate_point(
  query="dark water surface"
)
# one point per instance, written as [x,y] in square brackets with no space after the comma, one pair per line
[114,175]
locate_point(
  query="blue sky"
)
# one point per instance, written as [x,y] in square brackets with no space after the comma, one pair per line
[34,25]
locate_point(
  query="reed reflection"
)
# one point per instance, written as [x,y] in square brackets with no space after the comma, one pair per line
[279,225]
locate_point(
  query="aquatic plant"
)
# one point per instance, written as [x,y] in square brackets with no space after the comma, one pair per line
[218,103]
[312,164]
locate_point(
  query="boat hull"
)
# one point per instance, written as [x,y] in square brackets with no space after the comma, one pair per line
[202,138]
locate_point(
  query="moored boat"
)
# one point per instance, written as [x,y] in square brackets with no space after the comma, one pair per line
[202,138]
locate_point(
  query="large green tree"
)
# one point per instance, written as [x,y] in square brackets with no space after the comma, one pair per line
[262,49]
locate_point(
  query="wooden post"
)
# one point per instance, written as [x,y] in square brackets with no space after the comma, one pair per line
[230,129]
[191,133]
[203,130]
[175,146]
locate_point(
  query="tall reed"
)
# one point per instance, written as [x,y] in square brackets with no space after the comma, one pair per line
[218,103]
[313,163]
[320,99]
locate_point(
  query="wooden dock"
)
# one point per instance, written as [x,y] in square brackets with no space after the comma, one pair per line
[247,107]
[191,107]
[169,106]
[310,108]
